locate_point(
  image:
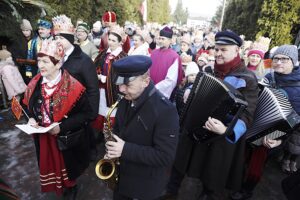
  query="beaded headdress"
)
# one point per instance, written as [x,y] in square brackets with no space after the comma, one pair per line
[52,48]
[62,24]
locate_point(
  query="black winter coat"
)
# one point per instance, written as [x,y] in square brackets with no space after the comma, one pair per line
[81,67]
[150,131]
[77,158]
[219,164]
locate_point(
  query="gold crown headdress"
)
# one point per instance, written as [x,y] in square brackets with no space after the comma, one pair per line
[62,24]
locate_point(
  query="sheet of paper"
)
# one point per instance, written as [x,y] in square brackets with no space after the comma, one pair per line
[30,129]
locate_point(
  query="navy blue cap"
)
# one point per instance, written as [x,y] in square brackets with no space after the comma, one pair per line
[128,68]
[228,38]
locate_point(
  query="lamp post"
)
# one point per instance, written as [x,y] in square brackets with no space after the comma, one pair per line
[222,15]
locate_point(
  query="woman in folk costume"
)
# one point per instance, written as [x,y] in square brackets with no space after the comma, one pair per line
[108,91]
[54,95]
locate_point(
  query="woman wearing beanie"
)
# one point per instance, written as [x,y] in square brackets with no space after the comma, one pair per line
[256,64]
[10,75]
[82,32]
[286,77]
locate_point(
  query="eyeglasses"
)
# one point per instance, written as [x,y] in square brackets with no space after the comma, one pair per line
[282,60]
[211,60]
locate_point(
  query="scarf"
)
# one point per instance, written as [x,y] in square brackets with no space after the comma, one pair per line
[221,70]
[251,67]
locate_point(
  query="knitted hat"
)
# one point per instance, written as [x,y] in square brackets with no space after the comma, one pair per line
[288,50]
[63,26]
[4,54]
[97,24]
[258,52]
[44,23]
[192,68]
[166,32]
[109,16]
[83,26]
[51,48]
[25,25]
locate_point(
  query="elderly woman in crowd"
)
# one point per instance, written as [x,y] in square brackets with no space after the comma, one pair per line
[53,95]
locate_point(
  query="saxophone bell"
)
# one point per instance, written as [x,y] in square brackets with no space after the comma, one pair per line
[106,169]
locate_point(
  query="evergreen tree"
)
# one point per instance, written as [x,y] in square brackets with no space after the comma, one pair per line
[180,15]
[278,19]
[158,11]
[241,16]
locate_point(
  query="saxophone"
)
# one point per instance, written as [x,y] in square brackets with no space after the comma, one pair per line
[106,169]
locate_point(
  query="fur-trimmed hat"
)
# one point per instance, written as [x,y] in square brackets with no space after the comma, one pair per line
[109,16]
[25,25]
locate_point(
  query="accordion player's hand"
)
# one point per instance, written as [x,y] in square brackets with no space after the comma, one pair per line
[215,125]
[269,143]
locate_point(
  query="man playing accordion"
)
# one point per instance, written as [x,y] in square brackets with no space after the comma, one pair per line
[218,164]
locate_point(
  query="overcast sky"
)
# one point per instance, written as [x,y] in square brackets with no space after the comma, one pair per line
[205,8]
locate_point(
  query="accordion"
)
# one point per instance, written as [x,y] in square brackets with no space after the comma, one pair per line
[274,116]
[210,97]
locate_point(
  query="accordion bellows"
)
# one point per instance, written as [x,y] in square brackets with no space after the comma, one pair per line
[274,115]
[210,97]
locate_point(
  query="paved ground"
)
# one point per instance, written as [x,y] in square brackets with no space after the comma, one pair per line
[18,167]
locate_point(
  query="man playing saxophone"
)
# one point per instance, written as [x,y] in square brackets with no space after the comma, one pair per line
[146,132]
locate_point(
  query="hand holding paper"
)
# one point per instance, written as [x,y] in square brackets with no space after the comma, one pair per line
[30,129]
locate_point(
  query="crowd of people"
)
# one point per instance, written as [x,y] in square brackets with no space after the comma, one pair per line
[74,74]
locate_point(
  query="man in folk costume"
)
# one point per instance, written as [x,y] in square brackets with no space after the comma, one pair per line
[34,46]
[109,19]
[219,164]
[80,66]
[54,95]
[108,90]
[166,69]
